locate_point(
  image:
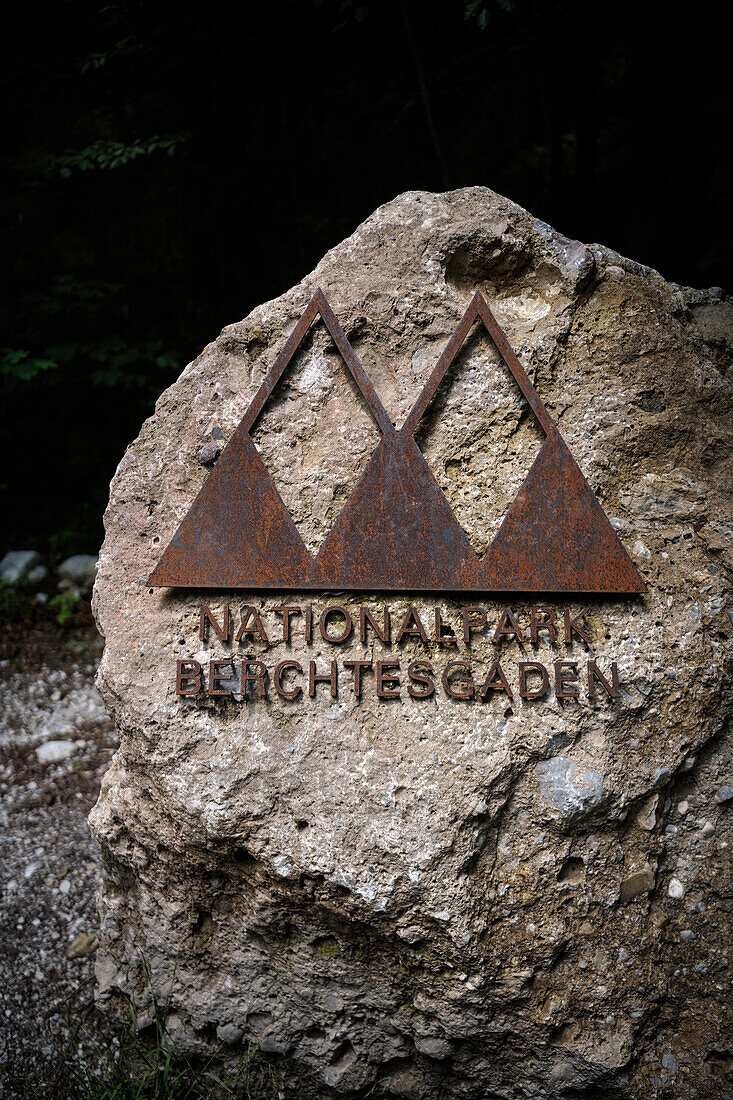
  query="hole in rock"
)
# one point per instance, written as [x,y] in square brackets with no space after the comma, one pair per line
[572,870]
[343,1055]
[327,946]
[479,438]
[300,825]
[491,260]
[565,1033]
[315,435]
[314,1033]
[720,1062]
[202,925]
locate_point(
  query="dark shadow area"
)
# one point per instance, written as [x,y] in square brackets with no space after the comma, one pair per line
[166,167]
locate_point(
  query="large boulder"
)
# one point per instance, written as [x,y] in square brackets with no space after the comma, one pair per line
[437,897]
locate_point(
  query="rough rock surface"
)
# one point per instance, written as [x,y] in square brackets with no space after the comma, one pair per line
[433,898]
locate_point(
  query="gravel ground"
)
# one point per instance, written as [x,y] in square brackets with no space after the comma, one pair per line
[55,743]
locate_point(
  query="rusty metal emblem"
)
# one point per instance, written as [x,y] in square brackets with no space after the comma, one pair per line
[397,531]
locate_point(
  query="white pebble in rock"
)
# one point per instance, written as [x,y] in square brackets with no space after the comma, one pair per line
[708,829]
[676,889]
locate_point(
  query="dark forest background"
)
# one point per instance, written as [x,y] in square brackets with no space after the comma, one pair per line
[167,166]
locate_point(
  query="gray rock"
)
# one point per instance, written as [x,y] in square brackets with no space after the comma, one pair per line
[669,1063]
[80,569]
[208,454]
[37,575]
[433,1047]
[640,882]
[723,795]
[229,1033]
[567,788]
[53,752]
[17,564]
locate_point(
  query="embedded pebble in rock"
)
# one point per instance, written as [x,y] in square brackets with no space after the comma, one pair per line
[229,1034]
[571,791]
[724,795]
[641,882]
[387,895]
[676,889]
[208,454]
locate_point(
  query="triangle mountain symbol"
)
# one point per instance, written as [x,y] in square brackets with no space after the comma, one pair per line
[397,531]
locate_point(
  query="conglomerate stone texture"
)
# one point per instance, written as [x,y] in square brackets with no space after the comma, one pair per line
[438,897]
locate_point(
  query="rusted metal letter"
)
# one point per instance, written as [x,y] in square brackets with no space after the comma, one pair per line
[420,672]
[508,627]
[525,667]
[287,613]
[317,678]
[537,625]
[596,676]
[207,619]
[185,671]
[412,626]
[572,626]
[277,679]
[468,626]
[445,635]
[388,683]
[495,681]
[451,688]
[384,632]
[216,668]
[256,629]
[259,677]
[335,609]
[357,667]
[566,673]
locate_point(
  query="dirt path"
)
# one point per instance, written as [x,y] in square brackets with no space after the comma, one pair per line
[55,743]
